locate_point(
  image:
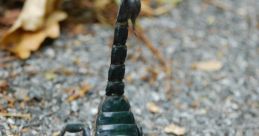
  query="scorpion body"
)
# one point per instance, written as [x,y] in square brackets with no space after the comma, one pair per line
[115,117]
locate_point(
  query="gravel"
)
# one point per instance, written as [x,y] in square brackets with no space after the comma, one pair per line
[222,102]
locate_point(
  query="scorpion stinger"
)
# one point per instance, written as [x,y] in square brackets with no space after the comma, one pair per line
[115,117]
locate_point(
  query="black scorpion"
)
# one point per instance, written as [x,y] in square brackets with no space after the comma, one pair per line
[115,117]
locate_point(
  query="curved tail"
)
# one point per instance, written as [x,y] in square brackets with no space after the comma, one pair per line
[129,9]
[115,117]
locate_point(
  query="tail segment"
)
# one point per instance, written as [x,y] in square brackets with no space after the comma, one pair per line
[129,9]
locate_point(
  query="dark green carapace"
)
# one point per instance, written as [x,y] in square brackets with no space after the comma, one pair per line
[115,117]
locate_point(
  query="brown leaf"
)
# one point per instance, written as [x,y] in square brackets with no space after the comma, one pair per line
[16,115]
[9,17]
[163,6]
[50,75]
[152,107]
[85,88]
[211,65]
[174,129]
[57,133]
[34,14]
[38,21]
[3,85]
[101,4]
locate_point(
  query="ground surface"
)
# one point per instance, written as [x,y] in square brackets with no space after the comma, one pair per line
[222,102]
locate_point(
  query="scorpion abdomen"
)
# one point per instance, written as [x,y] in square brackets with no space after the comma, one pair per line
[118,130]
[116,118]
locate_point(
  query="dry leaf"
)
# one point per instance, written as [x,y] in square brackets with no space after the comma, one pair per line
[57,133]
[174,129]
[164,6]
[152,107]
[85,88]
[3,85]
[39,20]
[101,4]
[212,65]
[50,75]
[9,17]
[15,115]
[10,100]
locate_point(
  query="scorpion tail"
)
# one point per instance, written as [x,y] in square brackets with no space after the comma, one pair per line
[115,117]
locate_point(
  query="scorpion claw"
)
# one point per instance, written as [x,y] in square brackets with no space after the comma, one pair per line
[140,131]
[74,128]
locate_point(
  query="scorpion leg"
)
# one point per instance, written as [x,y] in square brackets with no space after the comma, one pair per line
[75,128]
[140,131]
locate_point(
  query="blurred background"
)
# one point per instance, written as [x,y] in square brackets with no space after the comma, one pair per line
[192,67]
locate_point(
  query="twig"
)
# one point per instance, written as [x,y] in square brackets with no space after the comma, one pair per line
[218,4]
[168,83]
[162,60]
[141,35]
[16,115]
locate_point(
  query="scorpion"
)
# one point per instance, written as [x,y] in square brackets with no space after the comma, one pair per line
[114,116]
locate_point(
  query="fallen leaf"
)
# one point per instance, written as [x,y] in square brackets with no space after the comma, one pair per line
[57,133]
[211,20]
[9,17]
[10,100]
[2,109]
[152,107]
[174,129]
[211,65]
[129,78]
[39,20]
[101,4]
[16,115]
[50,75]
[219,4]
[85,87]
[163,6]
[170,2]
[3,85]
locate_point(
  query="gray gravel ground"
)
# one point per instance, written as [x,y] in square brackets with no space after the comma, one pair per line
[217,103]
